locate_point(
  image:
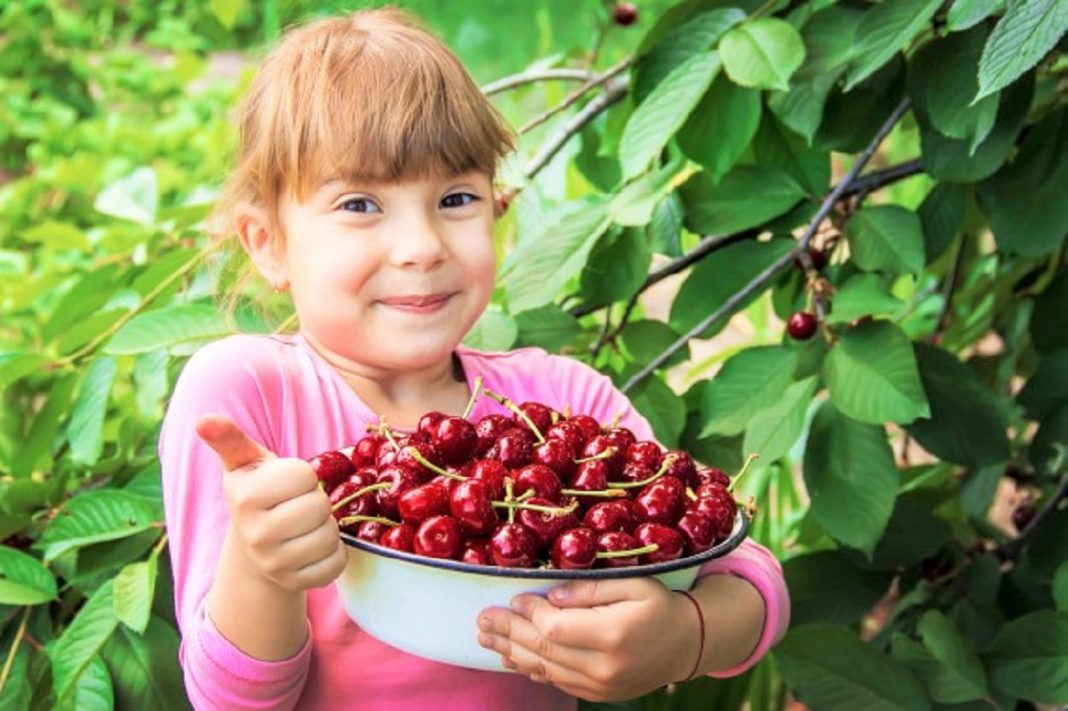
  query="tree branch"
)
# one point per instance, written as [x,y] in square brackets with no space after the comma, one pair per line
[772,270]
[614,91]
[516,80]
[574,96]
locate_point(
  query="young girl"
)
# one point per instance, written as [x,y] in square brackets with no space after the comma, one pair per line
[364,186]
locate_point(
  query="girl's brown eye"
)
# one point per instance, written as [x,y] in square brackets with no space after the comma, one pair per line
[359,205]
[459,199]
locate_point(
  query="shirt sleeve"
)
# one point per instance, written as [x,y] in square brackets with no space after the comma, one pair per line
[231,378]
[593,393]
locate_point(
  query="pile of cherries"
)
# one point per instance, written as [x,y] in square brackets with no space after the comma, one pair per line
[535,489]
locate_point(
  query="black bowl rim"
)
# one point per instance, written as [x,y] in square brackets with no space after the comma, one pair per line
[741,529]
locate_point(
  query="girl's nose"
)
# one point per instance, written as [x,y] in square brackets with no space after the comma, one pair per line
[419,243]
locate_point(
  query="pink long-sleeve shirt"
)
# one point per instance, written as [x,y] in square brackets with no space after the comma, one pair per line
[284,394]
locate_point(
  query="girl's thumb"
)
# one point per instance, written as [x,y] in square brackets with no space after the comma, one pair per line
[235,448]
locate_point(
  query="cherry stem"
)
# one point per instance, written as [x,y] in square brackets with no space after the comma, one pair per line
[383,427]
[744,469]
[349,520]
[604,454]
[664,466]
[508,484]
[615,420]
[651,548]
[418,456]
[360,492]
[552,510]
[528,494]
[510,404]
[604,493]
[690,494]
[474,396]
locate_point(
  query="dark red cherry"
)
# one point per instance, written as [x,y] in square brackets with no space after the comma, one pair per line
[660,502]
[471,505]
[489,429]
[575,549]
[365,453]
[371,531]
[429,452]
[801,325]
[622,438]
[698,531]
[669,541]
[558,455]
[591,476]
[540,478]
[399,538]
[634,472]
[491,473]
[540,415]
[682,467]
[364,505]
[617,541]
[719,505]
[617,515]
[456,439]
[400,480]
[422,502]
[514,448]
[331,468]
[713,475]
[387,455]
[600,444]
[570,433]
[438,537]
[645,453]
[476,551]
[428,423]
[546,526]
[625,14]
[513,545]
[589,426]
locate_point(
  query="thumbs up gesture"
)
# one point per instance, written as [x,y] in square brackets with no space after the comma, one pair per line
[281,522]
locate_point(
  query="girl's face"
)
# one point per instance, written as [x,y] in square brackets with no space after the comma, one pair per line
[391,276]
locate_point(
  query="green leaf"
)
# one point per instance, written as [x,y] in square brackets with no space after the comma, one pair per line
[888,238]
[747,383]
[226,11]
[774,430]
[883,31]
[37,449]
[92,691]
[645,339]
[1025,199]
[543,262]
[168,326]
[827,587]
[862,295]
[662,407]
[968,422]
[1060,587]
[830,669]
[776,146]
[657,118]
[95,516]
[745,197]
[23,580]
[762,53]
[18,691]
[719,276]
[18,364]
[850,477]
[912,534]
[1049,441]
[494,331]
[143,667]
[617,267]
[81,641]
[968,13]
[665,227]
[1049,320]
[956,656]
[634,204]
[86,428]
[58,235]
[1029,659]
[719,130]
[696,36]
[134,197]
[942,214]
[872,376]
[1024,34]
[1047,389]
[135,586]
[548,326]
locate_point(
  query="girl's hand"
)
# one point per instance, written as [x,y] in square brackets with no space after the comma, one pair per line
[281,524]
[607,640]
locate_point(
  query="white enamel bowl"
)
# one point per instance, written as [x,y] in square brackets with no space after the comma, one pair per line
[429,607]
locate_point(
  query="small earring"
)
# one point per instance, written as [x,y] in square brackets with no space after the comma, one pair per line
[279,289]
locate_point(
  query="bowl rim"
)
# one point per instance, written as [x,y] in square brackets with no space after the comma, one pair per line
[737,535]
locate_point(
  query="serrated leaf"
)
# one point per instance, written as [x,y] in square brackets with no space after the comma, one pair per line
[134,587]
[829,669]
[662,407]
[1029,659]
[644,339]
[872,376]
[81,641]
[883,31]
[771,432]
[36,450]
[547,326]
[617,267]
[86,428]
[941,214]
[23,580]
[721,127]
[747,196]
[776,146]
[850,477]
[888,238]
[143,667]
[134,197]
[665,227]
[968,13]
[862,295]
[92,691]
[956,655]
[495,330]
[968,423]
[657,118]
[762,53]
[95,516]
[1047,389]
[826,587]
[1024,34]
[542,263]
[166,327]
[747,383]
[633,205]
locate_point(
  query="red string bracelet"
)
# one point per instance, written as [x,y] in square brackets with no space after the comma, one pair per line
[701,620]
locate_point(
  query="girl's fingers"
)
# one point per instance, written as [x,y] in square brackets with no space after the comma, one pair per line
[315,545]
[563,669]
[299,516]
[322,572]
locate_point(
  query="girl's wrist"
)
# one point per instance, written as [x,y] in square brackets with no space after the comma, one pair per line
[692,612]
[734,615]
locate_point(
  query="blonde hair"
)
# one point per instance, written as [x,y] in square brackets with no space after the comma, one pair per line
[366,96]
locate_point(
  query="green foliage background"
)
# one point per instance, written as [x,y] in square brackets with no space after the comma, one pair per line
[716,156]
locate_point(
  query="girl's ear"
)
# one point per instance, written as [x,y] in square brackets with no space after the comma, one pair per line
[260,239]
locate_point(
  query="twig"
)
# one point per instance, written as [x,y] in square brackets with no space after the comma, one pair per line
[947,292]
[10,661]
[1011,549]
[772,270]
[614,91]
[602,338]
[574,96]
[516,80]
[881,178]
